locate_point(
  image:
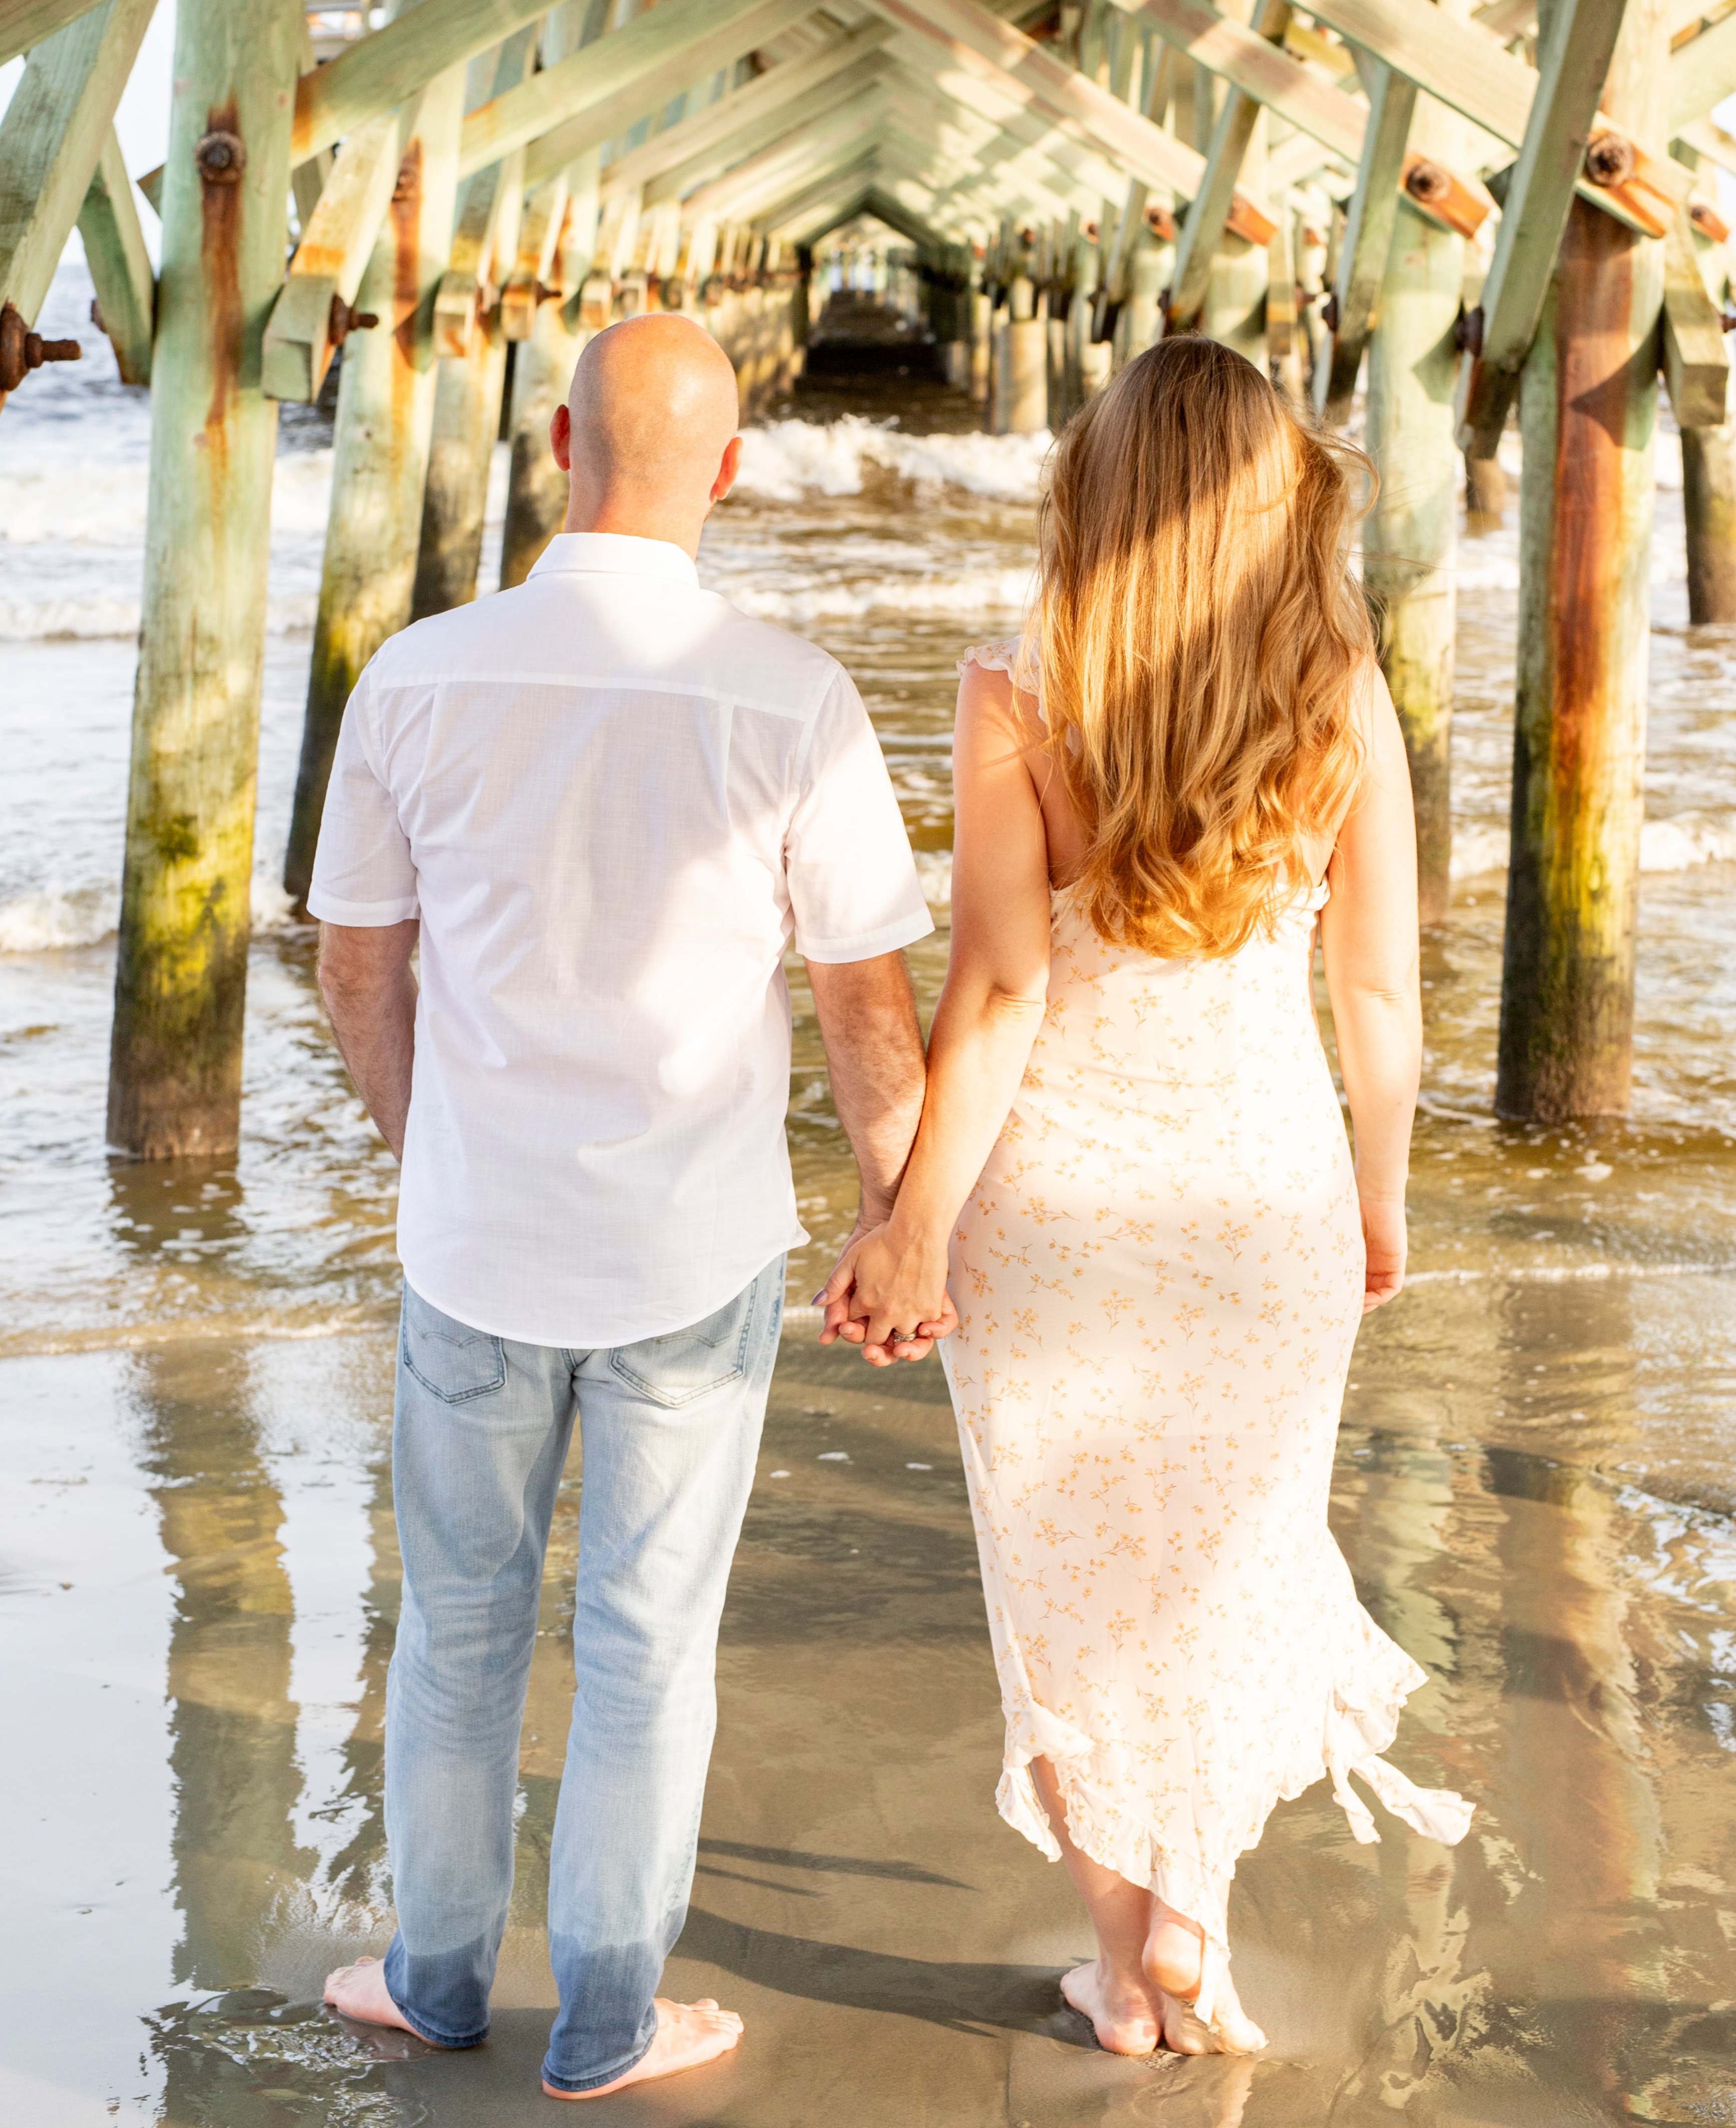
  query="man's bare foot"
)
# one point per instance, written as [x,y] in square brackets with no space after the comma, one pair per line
[687,2035]
[1121,2009]
[1174,1962]
[359,1991]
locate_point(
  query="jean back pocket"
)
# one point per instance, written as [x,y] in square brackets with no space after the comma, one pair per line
[449,1359]
[684,1365]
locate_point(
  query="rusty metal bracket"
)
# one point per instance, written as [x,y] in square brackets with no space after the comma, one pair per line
[22,350]
[342,321]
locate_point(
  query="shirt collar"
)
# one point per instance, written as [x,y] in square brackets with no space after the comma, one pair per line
[616,554]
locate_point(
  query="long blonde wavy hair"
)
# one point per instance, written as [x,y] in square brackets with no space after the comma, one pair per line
[1199,637]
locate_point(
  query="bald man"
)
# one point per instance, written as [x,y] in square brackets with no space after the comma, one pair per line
[602,805]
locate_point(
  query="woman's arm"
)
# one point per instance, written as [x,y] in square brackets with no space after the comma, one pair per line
[1368,930]
[996,990]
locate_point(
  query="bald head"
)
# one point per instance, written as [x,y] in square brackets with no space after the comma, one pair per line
[648,433]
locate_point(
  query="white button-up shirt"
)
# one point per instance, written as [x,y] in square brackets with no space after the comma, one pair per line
[613,801]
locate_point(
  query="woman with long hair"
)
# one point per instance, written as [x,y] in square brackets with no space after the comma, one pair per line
[1132,1172]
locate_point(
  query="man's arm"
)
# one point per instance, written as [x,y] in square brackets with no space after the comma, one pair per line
[370,998]
[873,1051]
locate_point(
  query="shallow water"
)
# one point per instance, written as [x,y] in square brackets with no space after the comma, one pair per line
[196,1581]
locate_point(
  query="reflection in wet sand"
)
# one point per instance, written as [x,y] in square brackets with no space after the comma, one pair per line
[893,1946]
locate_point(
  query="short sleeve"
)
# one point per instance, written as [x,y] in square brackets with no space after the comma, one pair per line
[853,885]
[363,871]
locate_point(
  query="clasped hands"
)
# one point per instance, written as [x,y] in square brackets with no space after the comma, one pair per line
[888,1294]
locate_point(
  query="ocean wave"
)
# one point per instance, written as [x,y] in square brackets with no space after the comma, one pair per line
[56,922]
[786,460]
[993,591]
[90,620]
[1665,846]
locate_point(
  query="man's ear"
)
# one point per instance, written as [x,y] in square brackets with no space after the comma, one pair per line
[560,437]
[726,472]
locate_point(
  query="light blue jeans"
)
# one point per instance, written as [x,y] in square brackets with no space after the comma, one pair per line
[670,1429]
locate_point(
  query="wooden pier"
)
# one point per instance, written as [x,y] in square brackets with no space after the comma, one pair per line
[1486,216]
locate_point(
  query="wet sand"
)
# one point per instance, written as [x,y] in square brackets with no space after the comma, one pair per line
[201,1588]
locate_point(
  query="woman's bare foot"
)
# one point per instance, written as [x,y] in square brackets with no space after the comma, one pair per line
[687,2035]
[1174,1962]
[1122,2012]
[359,1991]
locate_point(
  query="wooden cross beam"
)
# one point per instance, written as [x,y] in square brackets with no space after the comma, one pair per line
[1004,105]
[311,317]
[1696,364]
[1260,68]
[1702,74]
[25,24]
[772,91]
[585,98]
[1213,207]
[999,148]
[1366,241]
[1471,73]
[969,35]
[377,73]
[51,140]
[1573,61]
[681,176]
[126,308]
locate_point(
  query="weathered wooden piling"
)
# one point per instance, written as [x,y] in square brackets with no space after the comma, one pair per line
[1588,413]
[1410,540]
[181,966]
[471,342]
[536,487]
[1709,456]
[385,414]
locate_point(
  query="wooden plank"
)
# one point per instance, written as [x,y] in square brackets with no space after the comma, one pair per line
[1696,367]
[1573,60]
[120,265]
[1005,153]
[51,139]
[972,37]
[377,73]
[618,79]
[26,23]
[1471,73]
[768,92]
[334,252]
[1366,241]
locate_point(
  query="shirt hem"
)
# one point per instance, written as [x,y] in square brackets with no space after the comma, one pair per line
[611,1338]
[888,939]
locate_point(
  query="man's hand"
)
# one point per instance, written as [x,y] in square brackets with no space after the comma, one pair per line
[851,1315]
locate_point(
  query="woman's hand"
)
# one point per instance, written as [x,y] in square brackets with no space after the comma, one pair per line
[1383,1237]
[882,1285]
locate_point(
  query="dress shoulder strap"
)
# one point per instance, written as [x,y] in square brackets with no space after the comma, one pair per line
[1010,657]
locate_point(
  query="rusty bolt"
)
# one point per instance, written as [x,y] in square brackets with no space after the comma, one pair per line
[341,321]
[1427,182]
[22,350]
[1468,332]
[1709,221]
[221,158]
[1329,312]
[96,315]
[1611,160]
[1727,323]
